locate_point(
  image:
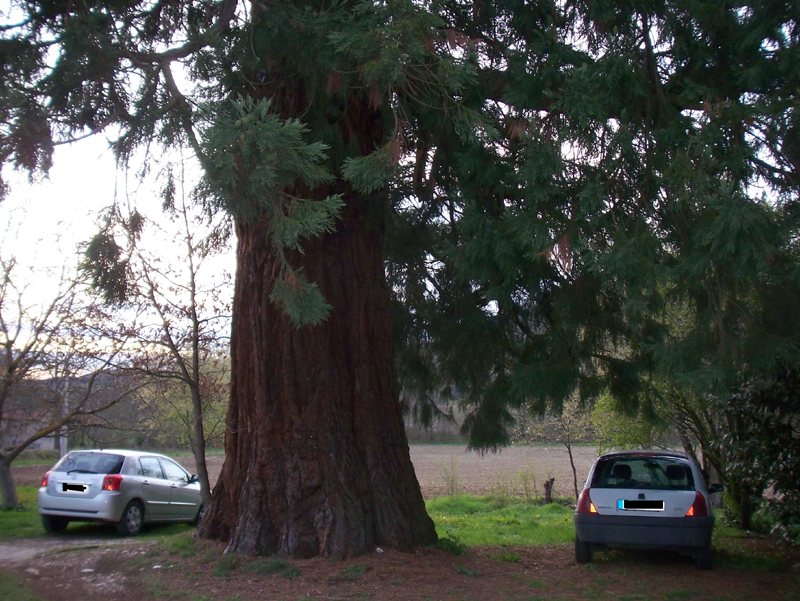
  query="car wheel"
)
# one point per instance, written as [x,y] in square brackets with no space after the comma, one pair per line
[703,558]
[54,523]
[200,513]
[583,551]
[132,520]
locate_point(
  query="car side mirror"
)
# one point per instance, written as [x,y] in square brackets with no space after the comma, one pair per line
[192,478]
[715,488]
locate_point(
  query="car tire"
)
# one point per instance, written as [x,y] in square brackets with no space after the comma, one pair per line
[132,520]
[200,513]
[703,558]
[583,551]
[54,523]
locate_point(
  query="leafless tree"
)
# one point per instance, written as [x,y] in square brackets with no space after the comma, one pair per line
[55,361]
[182,312]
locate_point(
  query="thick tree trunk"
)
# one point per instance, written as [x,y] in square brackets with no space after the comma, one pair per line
[317,461]
[7,488]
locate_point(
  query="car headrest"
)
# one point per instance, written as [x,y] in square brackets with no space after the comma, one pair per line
[621,471]
[676,472]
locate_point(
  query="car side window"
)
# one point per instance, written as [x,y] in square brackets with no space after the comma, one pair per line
[174,472]
[150,468]
[130,467]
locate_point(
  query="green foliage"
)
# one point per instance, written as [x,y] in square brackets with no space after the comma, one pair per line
[107,267]
[254,157]
[451,544]
[370,173]
[170,418]
[302,301]
[764,415]
[616,428]
[258,166]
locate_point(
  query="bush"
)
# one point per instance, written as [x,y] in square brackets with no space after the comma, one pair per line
[763,452]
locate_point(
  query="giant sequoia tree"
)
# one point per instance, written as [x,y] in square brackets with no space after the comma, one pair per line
[563,196]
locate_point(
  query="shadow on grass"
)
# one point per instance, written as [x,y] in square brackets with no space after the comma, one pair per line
[648,557]
[728,554]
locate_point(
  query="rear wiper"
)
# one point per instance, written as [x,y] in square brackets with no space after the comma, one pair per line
[81,471]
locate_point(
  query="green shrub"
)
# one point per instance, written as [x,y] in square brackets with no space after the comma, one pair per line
[451,545]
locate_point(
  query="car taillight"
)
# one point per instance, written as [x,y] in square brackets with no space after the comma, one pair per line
[112,482]
[585,504]
[698,508]
[44,478]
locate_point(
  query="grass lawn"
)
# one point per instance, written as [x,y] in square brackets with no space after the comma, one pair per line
[23,522]
[469,520]
[478,521]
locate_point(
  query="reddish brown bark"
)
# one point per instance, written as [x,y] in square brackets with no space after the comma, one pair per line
[317,461]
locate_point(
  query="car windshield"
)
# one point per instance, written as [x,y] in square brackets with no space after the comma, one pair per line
[85,462]
[643,471]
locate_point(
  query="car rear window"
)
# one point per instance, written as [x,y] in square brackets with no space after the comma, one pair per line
[90,463]
[653,472]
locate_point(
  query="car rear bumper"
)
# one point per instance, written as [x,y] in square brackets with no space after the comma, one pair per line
[104,507]
[630,531]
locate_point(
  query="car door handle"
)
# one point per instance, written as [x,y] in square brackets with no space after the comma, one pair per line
[173,486]
[145,483]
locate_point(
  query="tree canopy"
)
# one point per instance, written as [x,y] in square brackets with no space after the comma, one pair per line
[582,192]
[574,195]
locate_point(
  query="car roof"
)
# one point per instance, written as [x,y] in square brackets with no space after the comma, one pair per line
[125,452]
[647,453]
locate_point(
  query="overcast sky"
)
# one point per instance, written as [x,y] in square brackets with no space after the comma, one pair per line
[43,223]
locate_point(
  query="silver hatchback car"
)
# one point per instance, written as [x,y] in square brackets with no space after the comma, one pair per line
[654,499]
[124,488]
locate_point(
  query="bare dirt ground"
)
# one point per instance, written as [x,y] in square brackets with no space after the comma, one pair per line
[147,572]
[58,568]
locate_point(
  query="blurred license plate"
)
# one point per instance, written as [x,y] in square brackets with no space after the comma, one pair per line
[67,487]
[640,505]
